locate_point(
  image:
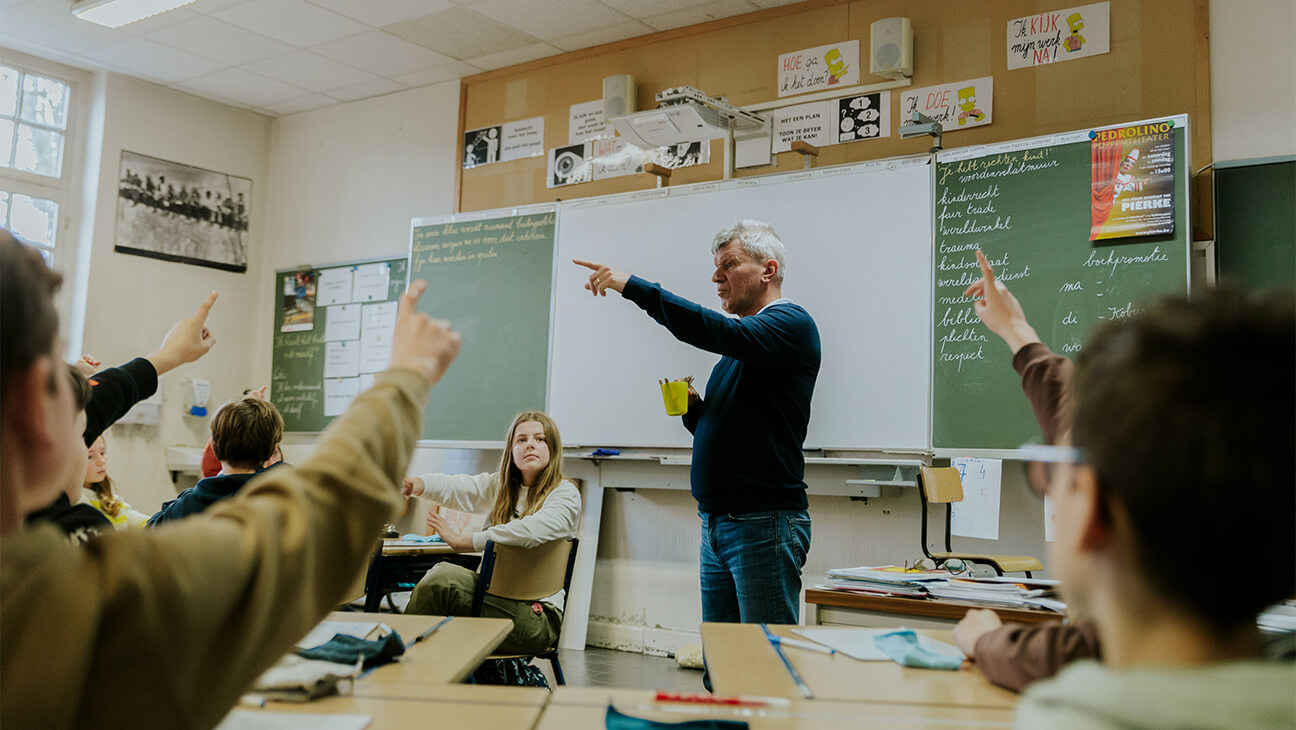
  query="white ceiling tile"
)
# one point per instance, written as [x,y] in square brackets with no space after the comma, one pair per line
[377,87]
[460,33]
[143,57]
[292,21]
[301,104]
[242,86]
[214,6]
[775,3]
[381,53]
[646,8]
[437,74]
[700,14]
[555,19]
[43,25]
[161,20]
[309,71]
[221,41]
[619,32]
[384,12]
[514,57]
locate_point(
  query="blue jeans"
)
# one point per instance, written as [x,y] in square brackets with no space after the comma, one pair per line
[751,566]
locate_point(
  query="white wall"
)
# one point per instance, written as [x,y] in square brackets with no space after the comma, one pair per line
[132,301]
[1253,78]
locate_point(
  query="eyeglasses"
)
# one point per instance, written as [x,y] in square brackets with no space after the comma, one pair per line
[1043,462]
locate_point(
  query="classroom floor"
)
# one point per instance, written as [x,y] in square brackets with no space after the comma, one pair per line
[610,668]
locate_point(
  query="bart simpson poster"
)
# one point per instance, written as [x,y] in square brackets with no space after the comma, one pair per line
[1133,180]
[1059,35]
[961,105]
[814,69]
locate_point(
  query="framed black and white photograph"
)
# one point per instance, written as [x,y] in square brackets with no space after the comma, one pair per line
[175,212]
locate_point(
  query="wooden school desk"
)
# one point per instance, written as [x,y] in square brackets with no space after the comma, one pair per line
[446,657]
[838,608]
[460,706]
[742,662]
[582,708]
[396,558]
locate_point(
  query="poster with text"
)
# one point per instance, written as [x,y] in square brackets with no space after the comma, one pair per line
[867,116]
[298,302]
[811,123]
[523,138]
[481,147]
[822,67]
[586,122]
[1133,181]
[1059,35]
[956,106]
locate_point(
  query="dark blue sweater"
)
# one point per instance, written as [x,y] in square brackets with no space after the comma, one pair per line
[749,430]
[202,495]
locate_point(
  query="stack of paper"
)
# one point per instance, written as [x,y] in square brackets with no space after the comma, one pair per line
[884,581]
[998,593]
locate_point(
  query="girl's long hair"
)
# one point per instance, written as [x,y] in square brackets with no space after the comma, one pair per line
[510,477]
[109,502]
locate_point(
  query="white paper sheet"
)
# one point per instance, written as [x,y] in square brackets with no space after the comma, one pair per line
[253,720]
[338,394]
[379,316]
[858,643]
[371,282]
[342,359]
[342,322]
[334,287]
[375,351]
[1050,518]
[978,514]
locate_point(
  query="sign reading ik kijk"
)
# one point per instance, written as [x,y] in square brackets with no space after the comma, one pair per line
[1059,35]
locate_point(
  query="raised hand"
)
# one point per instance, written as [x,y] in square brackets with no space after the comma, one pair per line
[412,487]
[604,278]
[421,343]
[187,340]
[87,365]
[998,309]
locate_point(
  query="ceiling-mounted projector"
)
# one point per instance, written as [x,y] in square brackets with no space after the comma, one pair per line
[684,114]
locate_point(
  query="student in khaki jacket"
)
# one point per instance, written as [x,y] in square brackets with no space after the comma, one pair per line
[166,628]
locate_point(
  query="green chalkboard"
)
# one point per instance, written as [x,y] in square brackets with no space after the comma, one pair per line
[1027,206]
[491,276]
[1255,222]
[297,384]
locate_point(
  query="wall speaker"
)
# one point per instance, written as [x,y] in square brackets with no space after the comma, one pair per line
[618,96]
[890,48]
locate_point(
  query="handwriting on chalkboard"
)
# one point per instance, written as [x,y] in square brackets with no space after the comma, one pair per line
[1000,165]
[475,241]
[293,398]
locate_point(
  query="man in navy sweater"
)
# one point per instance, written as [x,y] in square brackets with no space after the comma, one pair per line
[748,466]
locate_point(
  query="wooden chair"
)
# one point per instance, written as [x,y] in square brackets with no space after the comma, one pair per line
[942,485]
[527,574]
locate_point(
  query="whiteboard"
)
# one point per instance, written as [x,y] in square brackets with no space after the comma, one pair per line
[858,259]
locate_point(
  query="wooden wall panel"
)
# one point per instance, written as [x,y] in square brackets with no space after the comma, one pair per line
[1158,66]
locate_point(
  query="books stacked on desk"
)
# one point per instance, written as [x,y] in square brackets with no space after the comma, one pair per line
[1001,592]
[998,592]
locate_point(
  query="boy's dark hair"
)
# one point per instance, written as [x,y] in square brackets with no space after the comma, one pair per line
[80,388]
[246,431]
[28,321]
[1185,412]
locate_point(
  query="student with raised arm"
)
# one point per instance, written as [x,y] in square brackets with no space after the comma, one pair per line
[529,504]
[1015,655]
[177,622]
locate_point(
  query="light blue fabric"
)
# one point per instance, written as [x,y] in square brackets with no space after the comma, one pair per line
[903,648]
[411,537]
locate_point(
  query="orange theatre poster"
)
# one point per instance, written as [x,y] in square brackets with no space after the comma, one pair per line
[1133,181]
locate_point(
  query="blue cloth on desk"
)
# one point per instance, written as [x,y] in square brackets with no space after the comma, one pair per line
[345,649]
[620,721]
[411,537]
[903,648]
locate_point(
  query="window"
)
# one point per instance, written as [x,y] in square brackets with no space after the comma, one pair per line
[33,219]
[33,122]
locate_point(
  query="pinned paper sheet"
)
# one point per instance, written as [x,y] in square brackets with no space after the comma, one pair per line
[367,381]
[978,514]
[375,351]
[338,394]
[380,316]
[334,287]
[342,322]
[371,282]
[342,359]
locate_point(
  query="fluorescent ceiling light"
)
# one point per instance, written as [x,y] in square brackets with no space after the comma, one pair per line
[116,13]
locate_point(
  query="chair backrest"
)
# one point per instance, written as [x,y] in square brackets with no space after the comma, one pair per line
[528,574]
[940,484]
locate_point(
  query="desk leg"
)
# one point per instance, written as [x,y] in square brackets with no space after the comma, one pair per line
[811,614]
[373,583]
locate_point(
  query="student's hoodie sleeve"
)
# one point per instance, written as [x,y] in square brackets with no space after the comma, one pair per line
[465,492]
[555,520]
[115,391]
[1013,656]
[180,620]
[779,334]
[1046,379]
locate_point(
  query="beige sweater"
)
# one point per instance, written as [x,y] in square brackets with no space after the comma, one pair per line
[167,627]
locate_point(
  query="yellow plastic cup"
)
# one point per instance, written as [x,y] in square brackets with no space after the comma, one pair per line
[675,394]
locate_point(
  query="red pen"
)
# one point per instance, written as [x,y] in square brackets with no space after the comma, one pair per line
[728,700]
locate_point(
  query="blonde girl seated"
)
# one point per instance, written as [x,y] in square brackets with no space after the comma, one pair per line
[99,492]
[529,504]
